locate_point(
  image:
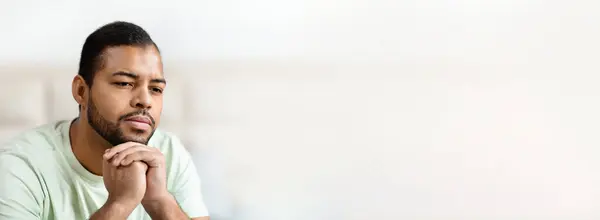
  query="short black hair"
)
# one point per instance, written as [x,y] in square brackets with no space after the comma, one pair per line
[118,33]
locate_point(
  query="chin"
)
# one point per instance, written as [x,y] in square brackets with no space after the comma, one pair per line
[138,139]
[141,137]
[133,134]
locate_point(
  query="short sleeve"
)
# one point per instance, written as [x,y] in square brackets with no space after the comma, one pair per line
[186,186]
[21,196]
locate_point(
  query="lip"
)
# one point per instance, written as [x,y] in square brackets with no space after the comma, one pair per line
[140,119]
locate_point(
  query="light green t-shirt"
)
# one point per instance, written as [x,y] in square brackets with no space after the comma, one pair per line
[40,178]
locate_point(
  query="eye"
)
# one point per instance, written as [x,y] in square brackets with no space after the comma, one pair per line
[123,84]
[157,90]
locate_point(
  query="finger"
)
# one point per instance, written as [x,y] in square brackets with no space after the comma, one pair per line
[149,157]
[108,161]
[142,165]
[116,149]
[105,166]
[132,150]
[118,157]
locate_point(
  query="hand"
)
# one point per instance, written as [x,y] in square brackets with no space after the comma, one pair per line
[126,185]
[156,177]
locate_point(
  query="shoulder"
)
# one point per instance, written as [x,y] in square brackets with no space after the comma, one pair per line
[23,156]
[25,196]
[34,142]
[21,164]
[18,163]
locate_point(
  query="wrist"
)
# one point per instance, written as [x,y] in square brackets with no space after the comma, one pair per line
[121,205]
[113,209]
[158,200]
[157,197]
[164,206]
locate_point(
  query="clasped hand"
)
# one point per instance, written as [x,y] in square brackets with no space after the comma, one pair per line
[135,173]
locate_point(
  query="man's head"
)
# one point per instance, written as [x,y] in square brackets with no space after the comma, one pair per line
[120,83]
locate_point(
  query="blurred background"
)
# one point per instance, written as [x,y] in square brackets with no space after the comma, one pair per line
[353,110]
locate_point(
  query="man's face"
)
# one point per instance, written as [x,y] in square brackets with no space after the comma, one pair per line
[125,100]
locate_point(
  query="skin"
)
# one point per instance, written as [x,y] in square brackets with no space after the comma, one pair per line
[129,83]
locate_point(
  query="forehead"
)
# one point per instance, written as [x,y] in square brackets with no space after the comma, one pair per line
[143,61]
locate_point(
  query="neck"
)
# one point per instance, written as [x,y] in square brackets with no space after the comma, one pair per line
[87,145]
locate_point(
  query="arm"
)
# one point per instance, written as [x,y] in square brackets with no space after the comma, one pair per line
[169,210]
[184,199]
[21,194]
[112,210]
[165,209]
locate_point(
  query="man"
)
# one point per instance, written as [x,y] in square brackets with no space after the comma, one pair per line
[110,162]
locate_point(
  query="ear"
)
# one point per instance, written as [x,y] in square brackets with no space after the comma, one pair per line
[80,90]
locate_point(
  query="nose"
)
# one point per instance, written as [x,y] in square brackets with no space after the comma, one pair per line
[142,99]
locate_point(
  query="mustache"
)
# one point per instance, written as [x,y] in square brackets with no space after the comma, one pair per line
[138,113]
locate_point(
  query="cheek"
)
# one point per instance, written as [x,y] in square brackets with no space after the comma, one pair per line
[156,110]
[108,110]
[110,106]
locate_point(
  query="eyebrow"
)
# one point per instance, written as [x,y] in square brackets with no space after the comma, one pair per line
[135,76]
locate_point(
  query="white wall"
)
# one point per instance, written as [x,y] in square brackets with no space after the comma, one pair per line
[364,109]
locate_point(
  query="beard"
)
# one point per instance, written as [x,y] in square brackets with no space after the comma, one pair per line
[112,132]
